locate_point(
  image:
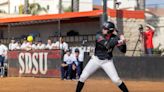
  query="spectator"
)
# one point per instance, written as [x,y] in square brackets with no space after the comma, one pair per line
[66,66]
[50,45]
[148,36]
[12,45]
[18,45]
[24,44]
[40,45]
[61,44]
[34,45]
[3,53]
[29,46]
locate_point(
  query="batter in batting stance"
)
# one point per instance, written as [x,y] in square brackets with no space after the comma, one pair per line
[105,43]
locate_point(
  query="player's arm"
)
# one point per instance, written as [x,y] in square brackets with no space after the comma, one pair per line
[119,42]
[101,40]
[122,48]
[122,43]
[63,63]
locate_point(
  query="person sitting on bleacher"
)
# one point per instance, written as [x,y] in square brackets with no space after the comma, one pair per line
[50,45]
[18,45]
[34,45]
[12,45]
[29,46]
[24,44]
[61,44]
[40,45]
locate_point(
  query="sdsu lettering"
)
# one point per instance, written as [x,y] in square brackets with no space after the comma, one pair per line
[33,63]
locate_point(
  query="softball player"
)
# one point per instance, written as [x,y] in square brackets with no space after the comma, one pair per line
[105,43]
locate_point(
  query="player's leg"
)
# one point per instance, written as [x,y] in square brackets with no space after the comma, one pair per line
[63,72]
[90,68]
[74,70]
[79,69]
[1,60]
[69,72]
[110,69]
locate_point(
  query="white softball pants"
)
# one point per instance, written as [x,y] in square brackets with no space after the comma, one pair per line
[107,65]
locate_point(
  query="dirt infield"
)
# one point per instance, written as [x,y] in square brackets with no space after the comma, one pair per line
[26,84]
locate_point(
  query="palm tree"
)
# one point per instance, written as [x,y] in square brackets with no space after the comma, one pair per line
[34,9]
[141,4]
[26,4]
[60,6]
[75,5]
[67,9]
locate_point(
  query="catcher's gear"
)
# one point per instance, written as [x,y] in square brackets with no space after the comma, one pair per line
[109,26]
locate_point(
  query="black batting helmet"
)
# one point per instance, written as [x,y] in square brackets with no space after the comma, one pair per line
[109,26]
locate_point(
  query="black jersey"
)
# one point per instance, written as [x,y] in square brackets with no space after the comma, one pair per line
[103,49]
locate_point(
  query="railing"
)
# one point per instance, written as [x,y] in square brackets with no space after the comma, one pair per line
[5,41]
[78,40]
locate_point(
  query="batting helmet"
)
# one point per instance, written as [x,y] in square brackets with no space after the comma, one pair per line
[109,26]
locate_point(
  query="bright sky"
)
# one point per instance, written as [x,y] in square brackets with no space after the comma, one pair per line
[147,2]
[154,1]
[97,2]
